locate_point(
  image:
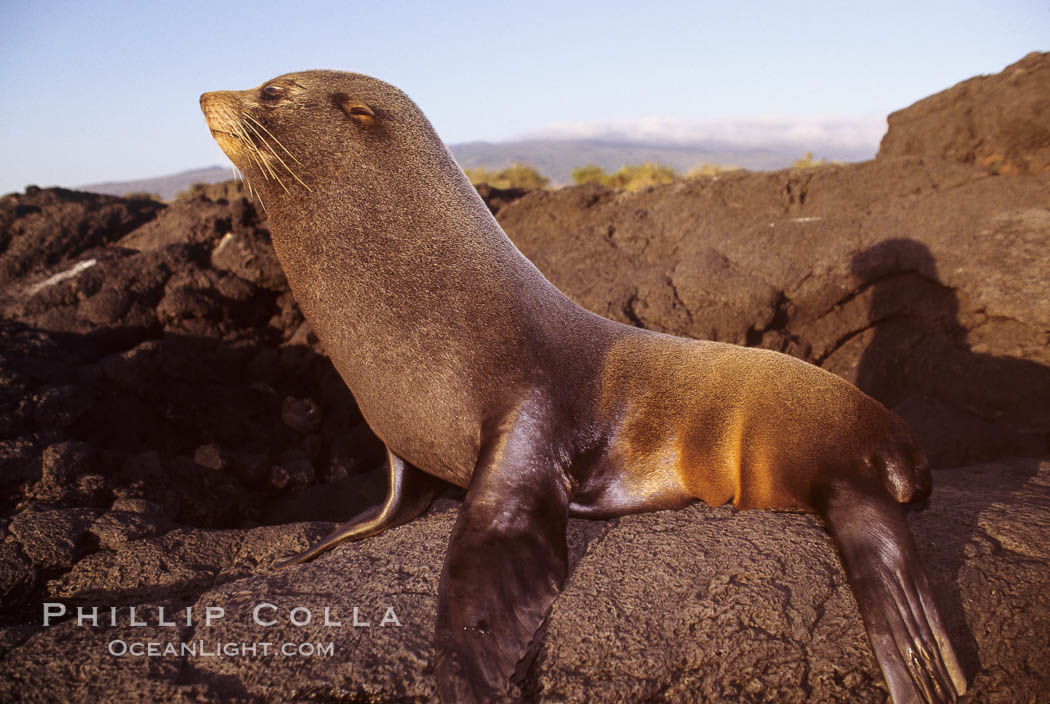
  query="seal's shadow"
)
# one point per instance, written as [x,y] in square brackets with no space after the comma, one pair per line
[965,406]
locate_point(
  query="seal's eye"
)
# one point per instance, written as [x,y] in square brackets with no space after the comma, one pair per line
[359,111]
[273,92]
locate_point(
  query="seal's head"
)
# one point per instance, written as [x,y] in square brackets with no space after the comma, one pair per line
[303,130]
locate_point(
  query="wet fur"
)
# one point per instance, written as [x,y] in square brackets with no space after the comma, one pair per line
[473,368]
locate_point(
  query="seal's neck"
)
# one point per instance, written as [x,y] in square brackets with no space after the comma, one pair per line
[408,216]
[406,246]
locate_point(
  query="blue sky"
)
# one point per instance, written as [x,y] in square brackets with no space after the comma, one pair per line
[97,91]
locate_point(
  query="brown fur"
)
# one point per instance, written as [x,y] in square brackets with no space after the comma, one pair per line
[473,368]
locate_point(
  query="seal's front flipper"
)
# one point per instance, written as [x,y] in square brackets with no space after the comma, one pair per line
[506,561]
[904,626]
[409,493]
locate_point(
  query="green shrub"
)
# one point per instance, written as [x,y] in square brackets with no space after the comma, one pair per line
[635,178]
[514,176]
[808,162]
[630,178]
[709,170]
[590,174]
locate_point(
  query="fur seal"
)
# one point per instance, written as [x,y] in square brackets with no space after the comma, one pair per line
[473,368]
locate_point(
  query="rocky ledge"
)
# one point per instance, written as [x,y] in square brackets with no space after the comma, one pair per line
[169,425]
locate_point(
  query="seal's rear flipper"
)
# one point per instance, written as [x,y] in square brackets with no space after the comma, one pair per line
[506,561]
[409,493]
[904,626]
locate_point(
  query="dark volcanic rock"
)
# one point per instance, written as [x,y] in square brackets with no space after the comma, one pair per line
[117,528]
[119,363]
[166,415]
[43,227]
[231,232]
[749,620]
[52,539]
[919,280]
[497,198]
[694,605]
[999,122]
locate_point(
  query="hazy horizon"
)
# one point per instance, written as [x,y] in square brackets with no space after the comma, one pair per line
[108,91]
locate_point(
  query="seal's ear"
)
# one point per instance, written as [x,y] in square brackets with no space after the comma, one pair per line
[358,111]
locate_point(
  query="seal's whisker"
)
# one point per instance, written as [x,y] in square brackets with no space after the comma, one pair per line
[274,151]
[254,158]
[263,161]
[255,154]
[254,194]
[263,127]
[294,175]
[242,177]
[272,171]
[242,135]
[257,158]
[248,185]
[270,152]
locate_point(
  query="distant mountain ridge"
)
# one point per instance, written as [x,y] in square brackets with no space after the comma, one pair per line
[164,186]
[554,158]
